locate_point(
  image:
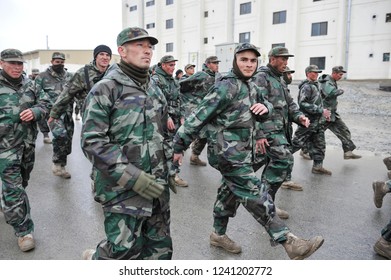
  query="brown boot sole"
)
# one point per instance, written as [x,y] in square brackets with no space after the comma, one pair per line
[381,252]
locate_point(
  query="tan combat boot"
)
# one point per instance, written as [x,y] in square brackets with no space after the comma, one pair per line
[26,243]
[46,139]
[195,160]
[387,162]
[350,155]
[320,170]
[299,249]
[282,214]
[180,182]
[225,242]
[379,191]
[383,248]
[65,174]
[87,254]
[56,169]
[290,185]
[305,155]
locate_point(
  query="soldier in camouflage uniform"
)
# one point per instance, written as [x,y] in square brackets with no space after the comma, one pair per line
[310,102]
[234,108]
[330,93]
[189,71]
[277,133]
[122,135]
[193,90]
[52,82]
[163,78]
[20,107]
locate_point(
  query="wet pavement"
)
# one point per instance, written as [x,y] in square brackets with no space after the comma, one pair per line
[338,207]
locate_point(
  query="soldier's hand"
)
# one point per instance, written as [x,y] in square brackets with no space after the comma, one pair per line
[304,121]
[170,124]
[26,115]
[260,145]
[259,109]
[147,187]
[50,119]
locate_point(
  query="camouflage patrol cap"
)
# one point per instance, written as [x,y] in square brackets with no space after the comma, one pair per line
[280,51]
[189,66]
[287,70]
[246,47]
[133,34]
[58,55]
[312,68]
[35,71]
[12,55]
[167,58]
[211,59]
[338,69]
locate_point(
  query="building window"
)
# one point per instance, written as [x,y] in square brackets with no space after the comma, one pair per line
[169,47]
[150,25]
[318,61]
[386,56]
[206,40]
[150,3]
[169,2]
[245,8]
[319,29]
[278,45]
[169,23]
[133,8]
[244,37]
[206,14]
[279,17]
[388,17]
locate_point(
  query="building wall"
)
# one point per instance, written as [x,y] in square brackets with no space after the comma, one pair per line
[357,32]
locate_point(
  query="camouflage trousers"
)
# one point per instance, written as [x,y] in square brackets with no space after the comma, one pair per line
[278,164]
[246,189]
[313,140]
[198,145]
[136,238]
[340,129]
[43,126]
[15,168]
[62,130]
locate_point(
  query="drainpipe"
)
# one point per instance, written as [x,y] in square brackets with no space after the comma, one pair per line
[348,37]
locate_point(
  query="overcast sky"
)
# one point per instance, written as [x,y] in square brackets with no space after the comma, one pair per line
[68,24]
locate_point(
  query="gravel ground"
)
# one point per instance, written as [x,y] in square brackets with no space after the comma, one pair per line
[366,110]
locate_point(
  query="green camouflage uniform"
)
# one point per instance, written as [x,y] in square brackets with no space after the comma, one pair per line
[17,149]
[193,89]
[226,109]
[330,93]
[310,102]
[62,128]
[77,88]
[122,135]
[276,129]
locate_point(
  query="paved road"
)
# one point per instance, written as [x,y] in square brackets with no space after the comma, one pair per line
[340,207]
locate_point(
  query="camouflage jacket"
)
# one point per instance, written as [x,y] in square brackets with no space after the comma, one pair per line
[53,84]
[13,100]
[194,88]
[330,93]
[277,128]
[122,135]
[310,100]
[77,87]
[170,88]
[226,111]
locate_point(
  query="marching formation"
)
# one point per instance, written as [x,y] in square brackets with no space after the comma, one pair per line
[138,120]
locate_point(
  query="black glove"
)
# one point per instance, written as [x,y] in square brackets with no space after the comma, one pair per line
[147,187]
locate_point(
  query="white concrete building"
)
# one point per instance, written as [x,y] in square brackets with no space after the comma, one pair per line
[352,33]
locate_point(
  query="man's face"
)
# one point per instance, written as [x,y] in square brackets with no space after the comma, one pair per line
[247,62]
[312,76]
[213,66]
[14,69]
[138,53]
[337,75]
[190,71]
[102,60]
[279,62]
[169,67]
[58,61]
